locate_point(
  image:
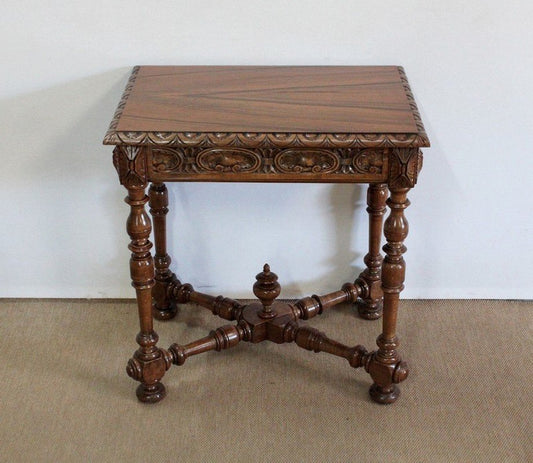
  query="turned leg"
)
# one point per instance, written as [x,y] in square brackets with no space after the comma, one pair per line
[386,367]
[149,363]
[371,303]
[163,307]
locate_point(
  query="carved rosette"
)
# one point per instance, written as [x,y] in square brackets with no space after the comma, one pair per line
[369,161]
[164,160]
[234,160]
[130,164]
[404,167]
[306,161]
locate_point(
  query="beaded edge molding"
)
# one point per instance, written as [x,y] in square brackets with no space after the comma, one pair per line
[278,140]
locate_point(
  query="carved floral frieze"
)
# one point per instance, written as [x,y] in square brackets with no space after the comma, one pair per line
[175,161]
[399,167]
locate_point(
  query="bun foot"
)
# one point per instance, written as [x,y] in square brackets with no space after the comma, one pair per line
[386,395]
[369,311]
[151,393]
[165,314]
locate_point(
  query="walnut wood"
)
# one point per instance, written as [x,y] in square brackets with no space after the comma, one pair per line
[130,164]
[388,367]
[312,339]
[163,307]
[230,309]
[281,326]
[222,338]
[266,289]
[376,103]
[405,165]
[221,306]
[149,363]
[270,320]
[371,304]
[267,164]
[269,99]
[309,307]
[268,124]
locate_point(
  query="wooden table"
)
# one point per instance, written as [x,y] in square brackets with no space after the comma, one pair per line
[342,124]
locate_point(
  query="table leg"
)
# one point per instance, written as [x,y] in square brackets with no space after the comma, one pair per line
[387,369]
[163,307]
[149,363]
[371,305]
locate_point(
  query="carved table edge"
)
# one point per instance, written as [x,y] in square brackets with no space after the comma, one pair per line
[268,139]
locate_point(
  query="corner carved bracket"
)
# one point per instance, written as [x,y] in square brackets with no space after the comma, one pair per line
[404,167]
[130,164]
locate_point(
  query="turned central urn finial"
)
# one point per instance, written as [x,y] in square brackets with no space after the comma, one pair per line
[266,289]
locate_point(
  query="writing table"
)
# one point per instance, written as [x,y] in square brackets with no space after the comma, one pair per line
[334,124]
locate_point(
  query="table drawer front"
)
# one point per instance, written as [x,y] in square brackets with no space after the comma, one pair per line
[236,164]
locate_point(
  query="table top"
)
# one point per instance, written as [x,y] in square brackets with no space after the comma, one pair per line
[320,106]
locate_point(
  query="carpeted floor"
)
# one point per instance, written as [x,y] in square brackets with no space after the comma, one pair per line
[65,396]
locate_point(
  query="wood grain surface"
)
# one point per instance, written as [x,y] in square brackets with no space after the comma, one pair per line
[268,99]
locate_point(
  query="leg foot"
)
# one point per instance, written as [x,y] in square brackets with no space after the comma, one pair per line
[167,313]
[384,395]
[151,393]
[369,311]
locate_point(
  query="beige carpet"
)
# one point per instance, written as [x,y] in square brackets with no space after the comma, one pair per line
[66,398]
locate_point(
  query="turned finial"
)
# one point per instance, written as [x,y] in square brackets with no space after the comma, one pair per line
[266,289]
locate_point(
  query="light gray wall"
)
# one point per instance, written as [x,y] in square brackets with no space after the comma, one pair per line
[64,66]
